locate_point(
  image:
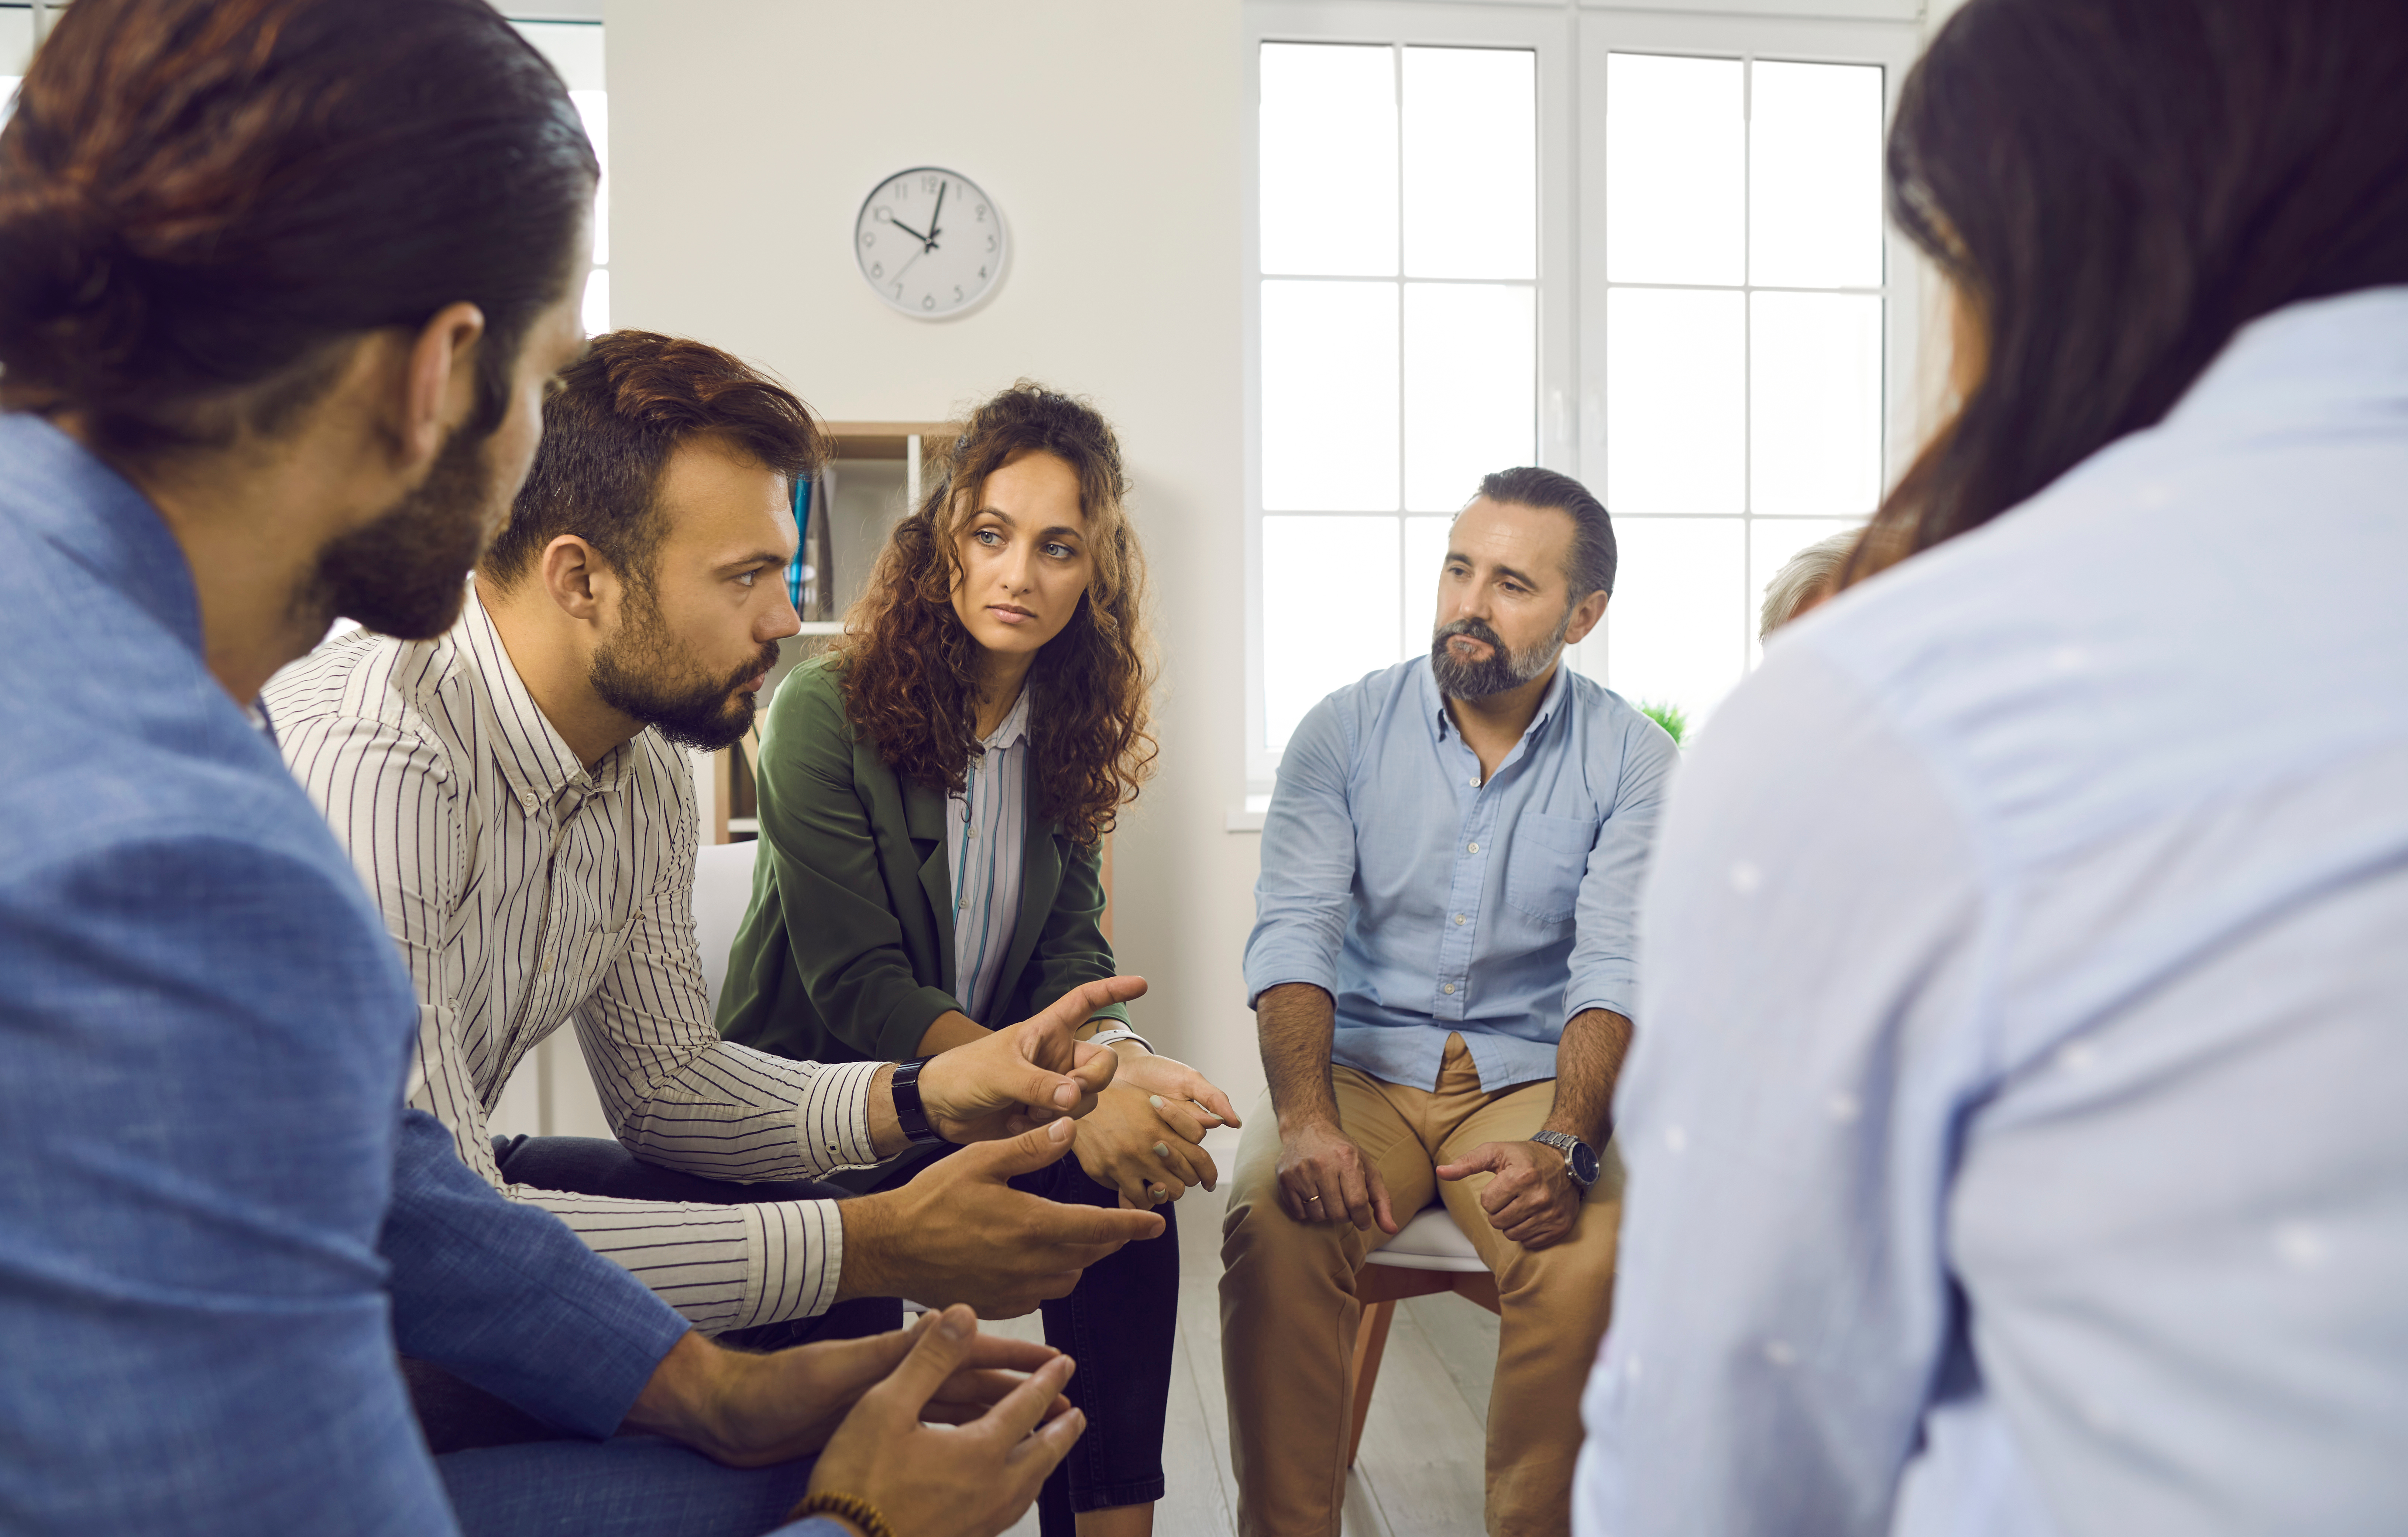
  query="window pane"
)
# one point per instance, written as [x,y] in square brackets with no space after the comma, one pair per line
[1471,162]
[596,310]
[1329,396]
[1814,199]
[1675,170]
[1771,543]
[1675,367]
[593,107]
[1674,632]
[1329,611]
[1328,156]
[1471,388]
[1424,562]
[1815,390]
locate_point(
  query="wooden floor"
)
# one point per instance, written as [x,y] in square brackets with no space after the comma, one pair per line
[1419,1473]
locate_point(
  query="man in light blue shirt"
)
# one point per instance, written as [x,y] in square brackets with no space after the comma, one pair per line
[1442,965]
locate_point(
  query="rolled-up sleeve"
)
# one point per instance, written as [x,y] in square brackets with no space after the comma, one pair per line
[1306,889]
[1605,946]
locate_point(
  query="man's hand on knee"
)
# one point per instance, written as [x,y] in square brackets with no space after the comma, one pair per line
[1534,1200]
[1323,1177]
[958,1232]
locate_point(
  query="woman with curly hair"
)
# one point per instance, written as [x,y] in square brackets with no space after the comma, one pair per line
[934,796]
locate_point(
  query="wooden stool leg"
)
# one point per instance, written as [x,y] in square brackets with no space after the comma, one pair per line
[1370,1344]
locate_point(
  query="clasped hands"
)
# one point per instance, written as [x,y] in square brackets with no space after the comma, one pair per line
[946,1431]
[1324,1177]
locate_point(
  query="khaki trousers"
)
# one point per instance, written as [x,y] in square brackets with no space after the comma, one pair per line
[1288,1311]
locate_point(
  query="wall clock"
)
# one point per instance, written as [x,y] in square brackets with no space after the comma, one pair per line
[930,242]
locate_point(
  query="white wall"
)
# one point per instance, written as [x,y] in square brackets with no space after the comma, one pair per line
[744,136]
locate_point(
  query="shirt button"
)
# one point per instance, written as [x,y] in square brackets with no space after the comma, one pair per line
[1458,919]
[1475,783]
[1473,847]
[1449,987]
[969,832]
[527,800]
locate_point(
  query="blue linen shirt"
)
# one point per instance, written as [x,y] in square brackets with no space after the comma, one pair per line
[2019,1140]
[218,1223]
[1426,902]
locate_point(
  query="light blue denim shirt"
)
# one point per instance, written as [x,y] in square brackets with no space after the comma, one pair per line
[2018,1137]
[1426,902]
[217,1223]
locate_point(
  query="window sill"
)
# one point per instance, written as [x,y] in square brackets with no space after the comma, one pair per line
[1247,817]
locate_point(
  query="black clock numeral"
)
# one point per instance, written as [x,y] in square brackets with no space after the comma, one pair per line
[930,183]
[990,242]
[982,212]
[868,239]
[957,293]
[928,301]
[981,272]
[878,269]
[898,291]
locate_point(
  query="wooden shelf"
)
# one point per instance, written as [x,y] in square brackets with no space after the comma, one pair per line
[888,440]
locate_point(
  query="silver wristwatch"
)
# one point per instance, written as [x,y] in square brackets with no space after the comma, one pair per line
[1580,1158]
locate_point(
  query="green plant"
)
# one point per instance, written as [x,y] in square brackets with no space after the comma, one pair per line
[1672,717]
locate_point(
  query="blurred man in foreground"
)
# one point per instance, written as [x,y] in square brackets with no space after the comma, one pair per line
[283,284]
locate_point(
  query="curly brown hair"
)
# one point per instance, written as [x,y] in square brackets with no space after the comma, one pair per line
[910,669]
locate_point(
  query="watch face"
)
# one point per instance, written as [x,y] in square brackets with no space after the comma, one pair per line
[929,242]
[1584,1163]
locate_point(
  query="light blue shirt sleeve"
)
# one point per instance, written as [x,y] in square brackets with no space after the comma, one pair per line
[1605,951]
[1304,896]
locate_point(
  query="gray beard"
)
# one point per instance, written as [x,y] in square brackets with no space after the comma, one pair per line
[1502,670]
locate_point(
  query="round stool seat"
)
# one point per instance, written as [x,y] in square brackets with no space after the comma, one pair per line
[1430,1242]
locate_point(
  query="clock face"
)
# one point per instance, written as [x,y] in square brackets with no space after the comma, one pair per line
[929,242]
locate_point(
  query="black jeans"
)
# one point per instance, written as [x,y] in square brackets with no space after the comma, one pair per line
[1119,1323]
[457,1416]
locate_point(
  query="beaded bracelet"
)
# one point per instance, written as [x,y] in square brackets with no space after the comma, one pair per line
[852,1507]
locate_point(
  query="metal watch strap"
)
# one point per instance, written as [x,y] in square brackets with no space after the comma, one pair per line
[1563,1142]
[909,1113]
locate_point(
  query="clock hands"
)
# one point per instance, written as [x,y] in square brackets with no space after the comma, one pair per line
[926,241]
[934,229]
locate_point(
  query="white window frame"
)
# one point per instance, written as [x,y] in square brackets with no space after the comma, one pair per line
[1571,43]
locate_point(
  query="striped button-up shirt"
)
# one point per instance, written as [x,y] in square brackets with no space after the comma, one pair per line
[983,830]
[528,892]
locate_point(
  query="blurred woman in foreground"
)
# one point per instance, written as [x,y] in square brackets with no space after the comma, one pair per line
[2016,1143]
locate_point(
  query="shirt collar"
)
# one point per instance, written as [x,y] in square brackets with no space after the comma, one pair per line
[533,756]
[1015,728]
[63,493]
[1434,703]
[2313,363]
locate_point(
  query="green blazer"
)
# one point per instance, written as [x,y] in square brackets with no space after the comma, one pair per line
[847,951]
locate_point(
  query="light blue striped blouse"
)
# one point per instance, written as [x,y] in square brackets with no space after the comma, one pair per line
[983,830]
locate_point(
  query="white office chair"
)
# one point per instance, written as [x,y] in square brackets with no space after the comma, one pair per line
[1430,1256]
[723,889]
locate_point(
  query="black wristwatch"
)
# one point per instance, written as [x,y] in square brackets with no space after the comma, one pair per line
[1579,1158]
[909,1113]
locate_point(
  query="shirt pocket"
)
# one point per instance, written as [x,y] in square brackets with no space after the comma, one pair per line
[1544,864]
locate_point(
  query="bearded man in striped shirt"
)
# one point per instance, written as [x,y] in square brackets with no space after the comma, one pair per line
[515,793]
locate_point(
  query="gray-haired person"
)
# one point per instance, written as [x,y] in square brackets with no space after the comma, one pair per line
[1810,577]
